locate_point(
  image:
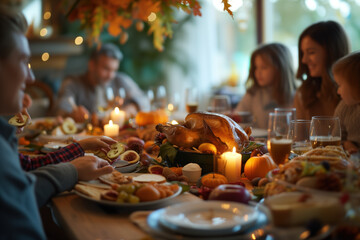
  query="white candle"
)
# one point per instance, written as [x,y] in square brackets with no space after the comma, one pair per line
[118,117]
[111,130]
[232,161]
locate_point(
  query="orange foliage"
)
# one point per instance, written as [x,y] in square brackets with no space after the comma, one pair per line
[119,15]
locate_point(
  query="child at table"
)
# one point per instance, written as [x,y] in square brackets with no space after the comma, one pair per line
[271,82]
[347,76]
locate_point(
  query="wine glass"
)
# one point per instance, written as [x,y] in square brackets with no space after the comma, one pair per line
[279,141]
[191,100]
[151,96]
[300,135]
[325,131]
[160,100]
[290,110]
[220,104]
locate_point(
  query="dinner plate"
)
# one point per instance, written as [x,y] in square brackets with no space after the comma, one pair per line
[312,190]
[130,205]
[159,231]
[123,167]
[209,218]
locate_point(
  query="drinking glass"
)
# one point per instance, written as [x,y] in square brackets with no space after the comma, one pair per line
[220,104]
[161,98]
[279,141]
[191,100]
[325,131]
[300,135]
[290,110]
[151,96]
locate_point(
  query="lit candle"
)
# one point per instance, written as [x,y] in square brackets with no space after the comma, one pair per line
[232,162]
[118,117]
[111,130]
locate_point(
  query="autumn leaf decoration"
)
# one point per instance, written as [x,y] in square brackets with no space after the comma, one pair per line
[118,15]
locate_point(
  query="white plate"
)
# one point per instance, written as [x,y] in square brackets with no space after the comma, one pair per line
[159,231]
[55,145]
[120,165]
[129,205]
[209,218]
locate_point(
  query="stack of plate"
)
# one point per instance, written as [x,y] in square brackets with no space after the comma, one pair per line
[207,220]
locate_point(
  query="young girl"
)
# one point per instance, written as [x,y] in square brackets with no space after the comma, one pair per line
[271,83]
[320,45]
[347,75]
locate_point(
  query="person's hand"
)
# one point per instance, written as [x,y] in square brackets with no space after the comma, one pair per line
[96,143]
[91,167]
[350,147]
[80,114]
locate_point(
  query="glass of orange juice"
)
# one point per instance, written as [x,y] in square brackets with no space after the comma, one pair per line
[279,140]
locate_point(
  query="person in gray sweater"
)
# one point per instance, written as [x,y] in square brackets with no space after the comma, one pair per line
[22,193]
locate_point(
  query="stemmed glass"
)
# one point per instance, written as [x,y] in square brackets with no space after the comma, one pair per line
[151,96]
[300,135]
[279,141]
[325,131]
[161,100]
[191,100]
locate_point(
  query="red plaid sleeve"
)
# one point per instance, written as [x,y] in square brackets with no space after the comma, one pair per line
[64,154]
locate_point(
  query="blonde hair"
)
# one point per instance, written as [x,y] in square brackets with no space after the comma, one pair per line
[280,57]
[348,67]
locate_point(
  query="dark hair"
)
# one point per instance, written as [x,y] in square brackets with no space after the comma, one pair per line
[349,68]
[10,22]
[280,57]
[332,37]
[107,49]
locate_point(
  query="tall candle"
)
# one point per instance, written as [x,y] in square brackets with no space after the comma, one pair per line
[232,162]
[111,130]
[118,117]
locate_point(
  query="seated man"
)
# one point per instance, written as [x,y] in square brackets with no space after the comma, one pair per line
[82,95]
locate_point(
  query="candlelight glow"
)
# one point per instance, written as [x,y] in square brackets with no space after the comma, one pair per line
[152,17]
[170,107]
[234,150]
[110,122]
[117,110]
[79,40]
[43,32]
[47,15]
[45,56]
[174,122]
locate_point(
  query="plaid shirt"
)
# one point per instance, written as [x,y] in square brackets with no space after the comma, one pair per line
[64,154]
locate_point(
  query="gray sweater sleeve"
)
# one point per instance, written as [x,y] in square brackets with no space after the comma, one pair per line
[53,179]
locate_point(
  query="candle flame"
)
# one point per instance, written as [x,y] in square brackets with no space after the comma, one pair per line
[234,149]
[170,107]
[117,110]
[174,122]
[110,122]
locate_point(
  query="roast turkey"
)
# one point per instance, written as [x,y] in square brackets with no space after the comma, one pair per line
[201,127]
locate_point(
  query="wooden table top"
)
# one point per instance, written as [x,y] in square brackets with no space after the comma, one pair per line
[83,219]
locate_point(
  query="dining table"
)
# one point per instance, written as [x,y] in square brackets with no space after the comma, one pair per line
[80,218]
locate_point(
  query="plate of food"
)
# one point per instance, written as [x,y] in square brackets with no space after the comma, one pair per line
[124,166]
[209,218]
[131,195]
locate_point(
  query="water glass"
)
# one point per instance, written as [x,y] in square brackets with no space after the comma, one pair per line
[287,110]
[300,135]
[324,131]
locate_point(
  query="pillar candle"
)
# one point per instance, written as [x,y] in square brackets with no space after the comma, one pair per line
[118,117]
[111,130]
[232,162]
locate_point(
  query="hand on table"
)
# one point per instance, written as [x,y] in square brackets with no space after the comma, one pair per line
[91,167]
[96,143]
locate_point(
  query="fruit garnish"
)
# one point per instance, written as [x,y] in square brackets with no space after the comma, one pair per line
[156,169]
[115,150]
[69,126]
[130,156]
[16,120]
